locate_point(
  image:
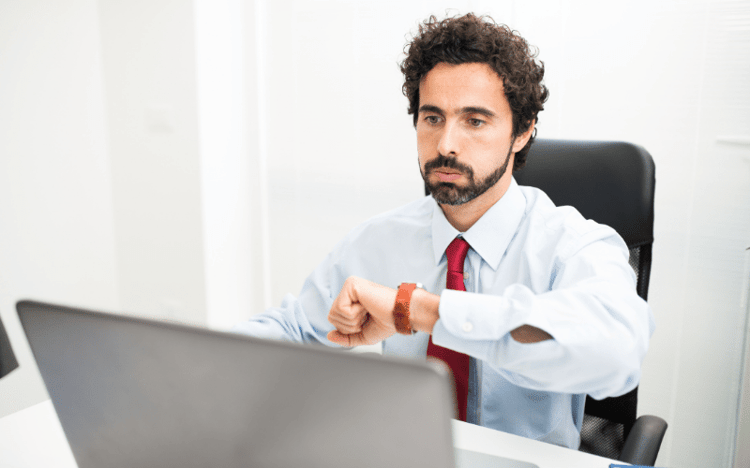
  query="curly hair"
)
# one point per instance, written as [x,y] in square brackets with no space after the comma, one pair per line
[472,39]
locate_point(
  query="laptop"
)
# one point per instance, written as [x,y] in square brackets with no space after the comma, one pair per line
[8,360]
[135,392]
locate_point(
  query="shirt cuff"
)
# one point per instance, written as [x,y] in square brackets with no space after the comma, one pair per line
[469,322]
[479,325]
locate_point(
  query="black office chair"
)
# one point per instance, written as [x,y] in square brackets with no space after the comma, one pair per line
[7,358]
[611,183]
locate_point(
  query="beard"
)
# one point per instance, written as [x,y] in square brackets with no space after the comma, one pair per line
[448,193]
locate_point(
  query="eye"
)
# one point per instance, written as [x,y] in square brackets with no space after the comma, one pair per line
[476,122]
[432,119]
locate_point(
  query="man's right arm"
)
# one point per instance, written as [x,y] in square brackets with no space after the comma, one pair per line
[287,322]
[301,319]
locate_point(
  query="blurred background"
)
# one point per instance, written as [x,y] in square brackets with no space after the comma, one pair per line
[193,160]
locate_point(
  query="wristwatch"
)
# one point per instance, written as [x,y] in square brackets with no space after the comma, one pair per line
[401,308]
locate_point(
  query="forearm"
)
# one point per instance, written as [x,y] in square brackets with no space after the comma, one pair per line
[300,318]
[425,311]
[597,345]
[288,322]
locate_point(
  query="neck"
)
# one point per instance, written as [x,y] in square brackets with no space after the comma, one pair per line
[462,217]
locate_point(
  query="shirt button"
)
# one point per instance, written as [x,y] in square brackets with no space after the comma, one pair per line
[467,327]
[466,275]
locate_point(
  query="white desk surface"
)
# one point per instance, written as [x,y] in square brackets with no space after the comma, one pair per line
[33,438]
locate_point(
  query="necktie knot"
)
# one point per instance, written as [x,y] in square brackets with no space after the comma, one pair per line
[456,254]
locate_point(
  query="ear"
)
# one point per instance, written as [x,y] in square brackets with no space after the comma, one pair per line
[523,138]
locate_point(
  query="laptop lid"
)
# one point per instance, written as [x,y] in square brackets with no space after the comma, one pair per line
[8,360]
[136,392]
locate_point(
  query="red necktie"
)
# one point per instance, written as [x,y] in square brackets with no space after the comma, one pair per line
[458,362]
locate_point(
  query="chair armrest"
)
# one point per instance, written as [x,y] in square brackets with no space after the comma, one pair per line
[642,445]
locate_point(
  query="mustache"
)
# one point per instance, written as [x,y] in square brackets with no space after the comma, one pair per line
[449,162]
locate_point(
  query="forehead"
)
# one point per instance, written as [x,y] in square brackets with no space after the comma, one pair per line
[453,87]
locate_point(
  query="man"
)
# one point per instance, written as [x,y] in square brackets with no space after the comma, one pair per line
[532,306]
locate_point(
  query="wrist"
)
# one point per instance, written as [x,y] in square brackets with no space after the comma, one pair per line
[424,310]
[402,308]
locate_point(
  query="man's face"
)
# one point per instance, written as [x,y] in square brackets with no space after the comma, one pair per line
[464,132]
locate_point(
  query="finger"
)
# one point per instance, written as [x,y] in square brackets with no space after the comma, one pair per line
[334,336]
[348,313]
[346,328]
[349,319]
[348,341]
[346,298]
[350,323]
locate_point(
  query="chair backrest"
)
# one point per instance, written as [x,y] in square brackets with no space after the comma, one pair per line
[611,183]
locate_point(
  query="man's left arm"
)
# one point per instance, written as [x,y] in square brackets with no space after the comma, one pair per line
[588,334]
[599,326]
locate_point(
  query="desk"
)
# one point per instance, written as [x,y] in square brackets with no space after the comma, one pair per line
[33,438]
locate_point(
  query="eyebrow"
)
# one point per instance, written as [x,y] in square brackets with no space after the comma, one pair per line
[465,110]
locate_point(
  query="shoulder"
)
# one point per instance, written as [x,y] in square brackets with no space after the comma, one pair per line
[412,219]
[563,227]
[415,215]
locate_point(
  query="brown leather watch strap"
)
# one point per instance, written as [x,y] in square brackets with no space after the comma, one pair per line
[401,309]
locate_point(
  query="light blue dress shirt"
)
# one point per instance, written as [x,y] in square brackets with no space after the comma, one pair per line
[530,263]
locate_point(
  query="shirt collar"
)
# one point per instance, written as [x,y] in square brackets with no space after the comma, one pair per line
[490,235]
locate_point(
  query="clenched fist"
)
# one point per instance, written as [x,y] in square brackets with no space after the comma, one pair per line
[362,313]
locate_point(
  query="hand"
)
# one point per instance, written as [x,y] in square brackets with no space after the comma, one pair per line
[529,334]
[362,313]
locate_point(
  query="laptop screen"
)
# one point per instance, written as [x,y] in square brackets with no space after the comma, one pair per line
[135,392]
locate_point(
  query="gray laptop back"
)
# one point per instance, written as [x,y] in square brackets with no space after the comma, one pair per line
[8,360]
[134,392]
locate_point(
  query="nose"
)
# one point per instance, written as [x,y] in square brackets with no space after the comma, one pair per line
[448,145]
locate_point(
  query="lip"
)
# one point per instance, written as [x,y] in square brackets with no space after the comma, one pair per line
[447,176]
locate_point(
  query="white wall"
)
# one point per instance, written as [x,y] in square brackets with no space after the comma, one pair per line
[742,448]
[149,68]
[233,182]
[57,236]
[101,176]
[169,188]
